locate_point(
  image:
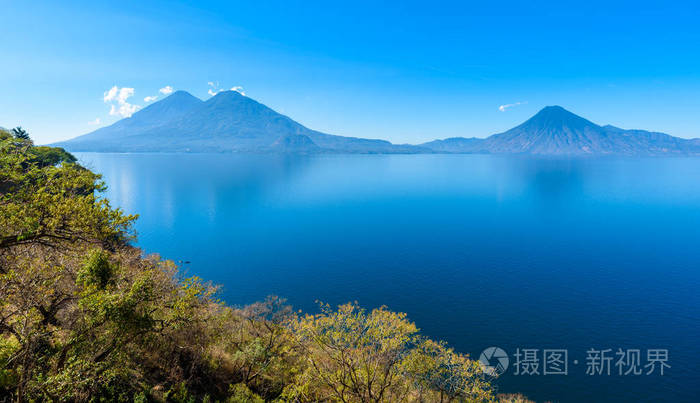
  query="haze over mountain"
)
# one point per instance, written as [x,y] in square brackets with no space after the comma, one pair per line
[556,131]
[232,122]
[227,122]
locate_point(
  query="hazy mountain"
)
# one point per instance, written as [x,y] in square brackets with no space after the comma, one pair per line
[556,131]
[454,144]
[110,138]
[231,122]
[227,122]
[294,143]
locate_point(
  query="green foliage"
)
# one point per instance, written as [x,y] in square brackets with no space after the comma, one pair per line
[97,270]
[53,205]
[20,133]
[5,135]
[8,376]
[240,393]
[47,156]
[513,398]
[353,355]
[84,316]
[179,394]
[442,374]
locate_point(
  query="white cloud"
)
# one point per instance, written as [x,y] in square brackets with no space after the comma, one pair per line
[124,94]
[215,88]
[111,95]
[503,108]
[94,122]
[238,89]
[124,110]
[165,91]
[118,98]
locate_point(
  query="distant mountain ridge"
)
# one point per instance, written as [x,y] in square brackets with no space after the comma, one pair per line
[150,117]
[232,122]
[227,122]
[556,131]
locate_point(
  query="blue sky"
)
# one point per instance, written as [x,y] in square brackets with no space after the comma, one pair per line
[404,71]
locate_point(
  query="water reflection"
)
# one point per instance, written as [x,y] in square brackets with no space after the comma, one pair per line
[478,250]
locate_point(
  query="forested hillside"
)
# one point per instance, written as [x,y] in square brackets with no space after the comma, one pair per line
[84,316]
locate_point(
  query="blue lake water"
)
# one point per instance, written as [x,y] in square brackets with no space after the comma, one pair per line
[478,250]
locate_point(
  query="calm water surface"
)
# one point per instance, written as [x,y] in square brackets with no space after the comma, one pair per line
[479,250]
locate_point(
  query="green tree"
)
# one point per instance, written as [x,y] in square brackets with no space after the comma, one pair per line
[42,203]
[20,133]
[356,356]
[441,375]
